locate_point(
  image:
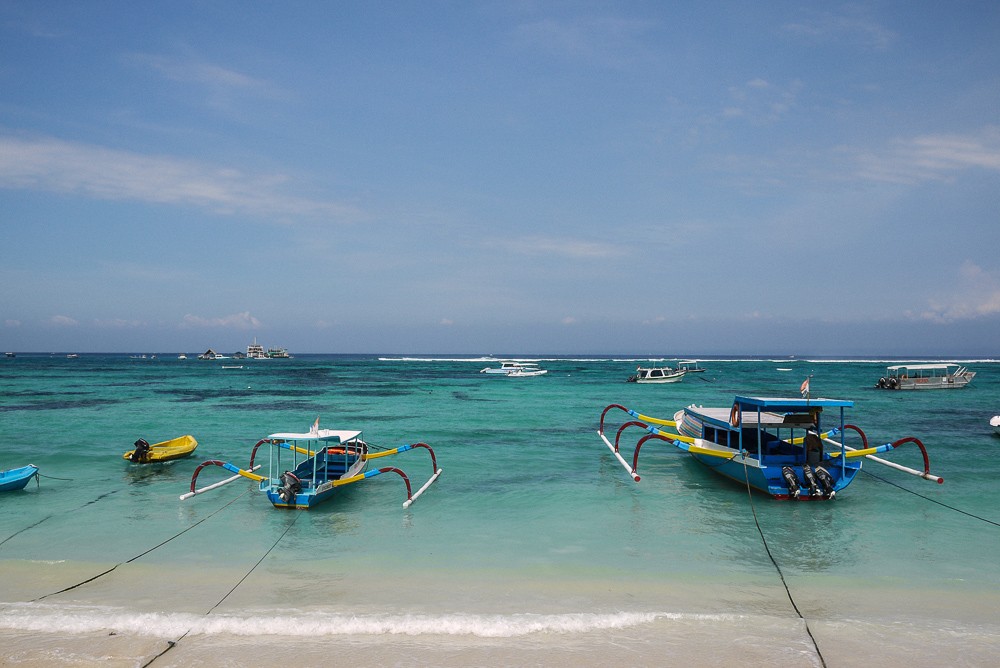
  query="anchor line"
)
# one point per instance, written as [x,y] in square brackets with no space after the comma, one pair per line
[927,498]
[142,554]
[48,517]
[781,575]
[173,643]
[52,477]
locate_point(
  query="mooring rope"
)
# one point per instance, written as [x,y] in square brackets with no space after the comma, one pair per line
[48,517]
[927,498]
[173,643]
[142,554]
[774,561]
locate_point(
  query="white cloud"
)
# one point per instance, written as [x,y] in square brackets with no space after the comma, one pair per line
[538,245]
[609,41]
[193,70]
[447,322]
[236,321]
[62,321]
[932,157]
[977,296]
[54,165]
[568,320]
[119,323]
[11,323]
[850,26]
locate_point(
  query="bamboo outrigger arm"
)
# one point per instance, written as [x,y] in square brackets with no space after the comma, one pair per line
[870,452]
[435,471]
[240,473]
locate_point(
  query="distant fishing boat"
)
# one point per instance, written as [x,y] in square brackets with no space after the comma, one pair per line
[995,423]
[14,479]
[925,377]
[773,445]
[165,451]
[657,375]
[690,366]
[306,469]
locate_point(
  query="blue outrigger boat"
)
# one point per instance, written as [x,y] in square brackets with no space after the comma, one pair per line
[773,445]
[14,479]
[306,469]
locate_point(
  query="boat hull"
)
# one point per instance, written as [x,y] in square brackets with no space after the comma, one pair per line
[767,474]
[318,477]
[165,451]
[15,479]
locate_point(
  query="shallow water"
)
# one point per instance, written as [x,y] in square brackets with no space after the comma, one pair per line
[533,547]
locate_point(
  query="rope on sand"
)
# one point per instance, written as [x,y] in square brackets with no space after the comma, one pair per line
[173,643]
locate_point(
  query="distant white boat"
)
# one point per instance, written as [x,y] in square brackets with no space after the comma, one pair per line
[925,377]
[182,356]
[255,351]
[526,371]
[657,375]
[508,366]
[995,423]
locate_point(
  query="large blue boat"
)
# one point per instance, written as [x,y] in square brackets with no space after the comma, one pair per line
[306,469]
[774,445]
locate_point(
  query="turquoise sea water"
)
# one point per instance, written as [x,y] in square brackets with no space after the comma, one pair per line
[534,547]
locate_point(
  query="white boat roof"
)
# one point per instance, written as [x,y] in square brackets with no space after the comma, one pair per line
[921,366]
[321,435]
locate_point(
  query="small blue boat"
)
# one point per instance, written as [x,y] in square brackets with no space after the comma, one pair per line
[14,479]
[774,445]
[306,469]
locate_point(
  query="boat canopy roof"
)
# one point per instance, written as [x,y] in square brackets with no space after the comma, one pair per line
[792,403]
[922,367]
[336,435]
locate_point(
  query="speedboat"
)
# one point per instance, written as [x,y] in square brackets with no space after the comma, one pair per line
[527,370]
[515,369]
[306,469]
[164,451]
[657,375]
[13,479]
[925,377]
[773,445]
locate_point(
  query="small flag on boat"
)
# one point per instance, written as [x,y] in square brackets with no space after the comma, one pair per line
[804,389]
[315,427]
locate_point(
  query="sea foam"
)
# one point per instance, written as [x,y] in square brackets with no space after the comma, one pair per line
[93,619]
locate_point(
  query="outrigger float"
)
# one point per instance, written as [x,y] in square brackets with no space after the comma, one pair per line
[307,469]
[773,445]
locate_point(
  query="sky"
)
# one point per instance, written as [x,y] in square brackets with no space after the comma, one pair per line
[663,178]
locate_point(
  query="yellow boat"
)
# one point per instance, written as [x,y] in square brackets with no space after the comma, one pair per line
[175,448]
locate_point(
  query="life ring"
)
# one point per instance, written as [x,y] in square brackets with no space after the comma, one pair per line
[736,415]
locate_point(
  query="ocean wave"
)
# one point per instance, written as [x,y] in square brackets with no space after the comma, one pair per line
[65,619]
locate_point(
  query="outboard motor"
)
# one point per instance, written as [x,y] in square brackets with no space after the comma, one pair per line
[141,452]
[881,383]
[788,473]
[290,487]
[826,481]
[807,473]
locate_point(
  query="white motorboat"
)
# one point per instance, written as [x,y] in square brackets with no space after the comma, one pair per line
[995,423]
[925,377]
[657,374]
[508,366]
